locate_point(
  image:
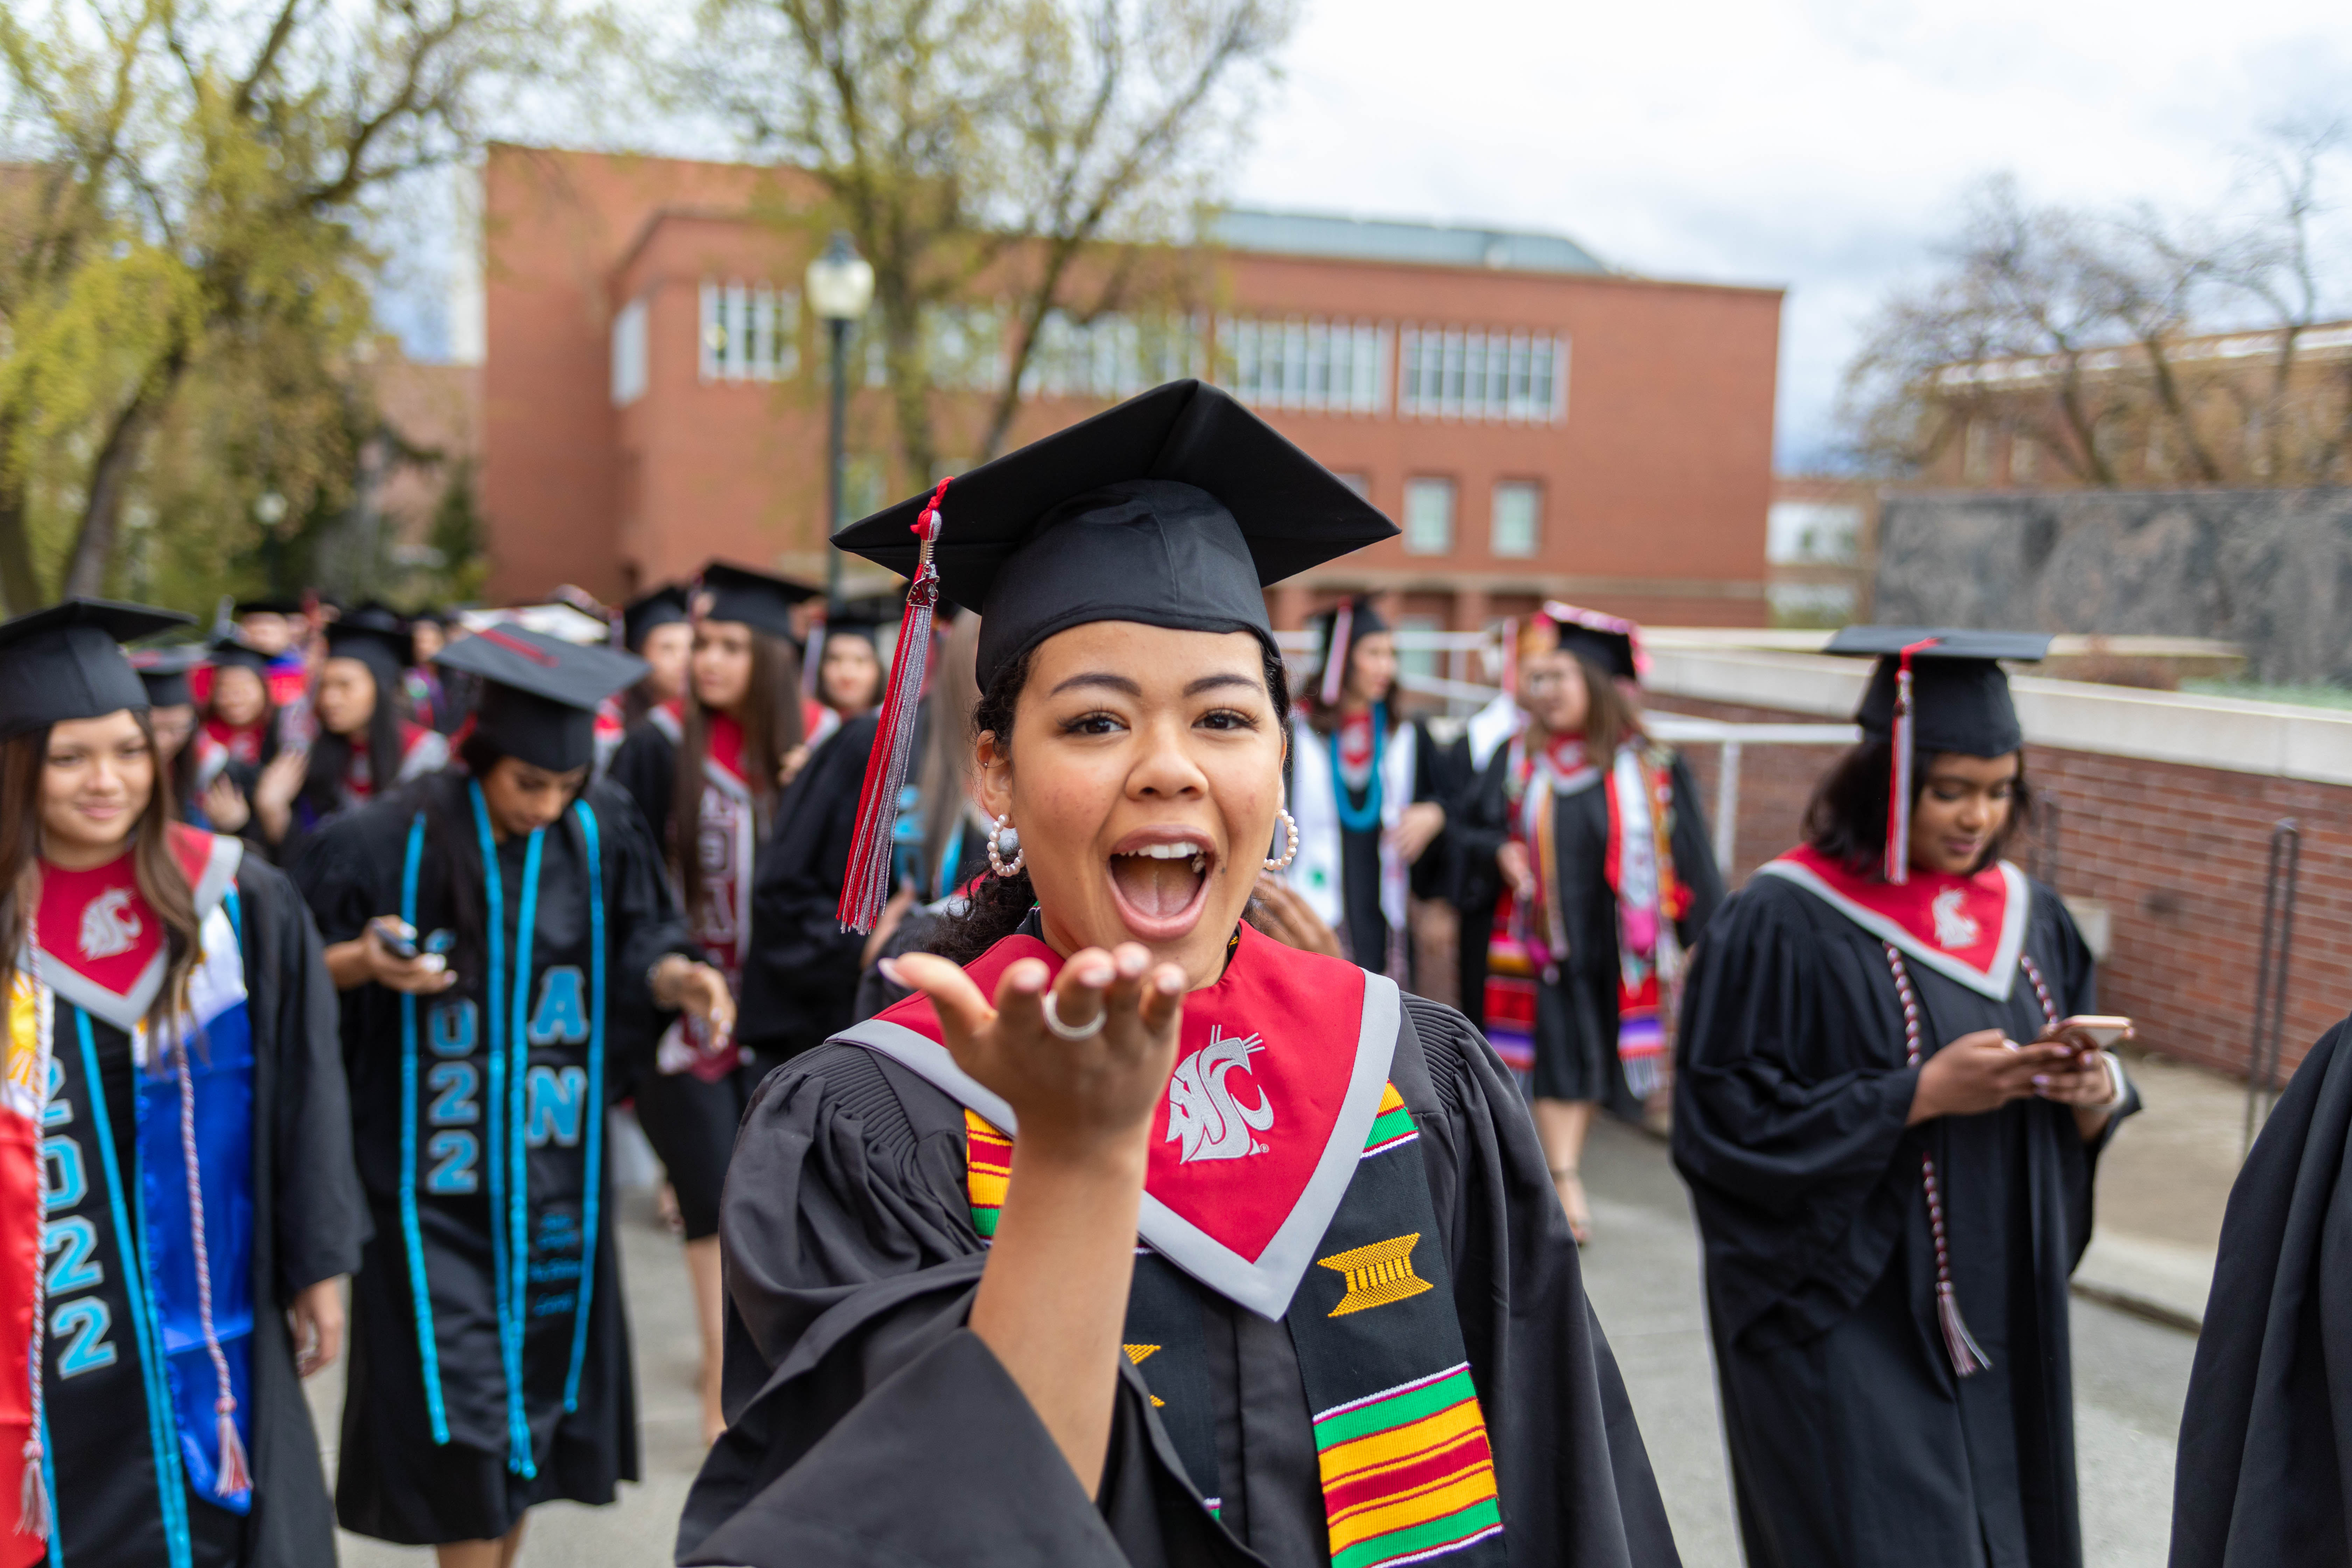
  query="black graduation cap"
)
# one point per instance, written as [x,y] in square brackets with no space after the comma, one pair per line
[1175,509]
[760,600]
[666,605]
[164,672]
[1959,697]
[227,652]
[851,624]
[66,662]
[1609,643]
[376,632]
[539,693]
[268,605]
[1336,631]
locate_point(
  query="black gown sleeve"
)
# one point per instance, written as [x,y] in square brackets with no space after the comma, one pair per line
[319,1214]
[1791,1098]
[800,975]
[866,1424]
[646,920]
[646,771]
[1694,849]
[2267,1430]
[1575,1477]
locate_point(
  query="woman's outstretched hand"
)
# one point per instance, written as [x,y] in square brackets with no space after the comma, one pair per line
[1074,1097]
[1053,1296]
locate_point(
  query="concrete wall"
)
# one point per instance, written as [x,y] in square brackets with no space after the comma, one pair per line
[2269,570]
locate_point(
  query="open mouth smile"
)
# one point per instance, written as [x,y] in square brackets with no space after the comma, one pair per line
[1159,881]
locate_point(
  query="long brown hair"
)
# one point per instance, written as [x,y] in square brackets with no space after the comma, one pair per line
[771,717]
[1609,717]
[162,881]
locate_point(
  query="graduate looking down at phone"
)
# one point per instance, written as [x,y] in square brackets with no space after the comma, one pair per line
[1889,1103]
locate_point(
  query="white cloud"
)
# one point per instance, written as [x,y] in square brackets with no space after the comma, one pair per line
[1822,145]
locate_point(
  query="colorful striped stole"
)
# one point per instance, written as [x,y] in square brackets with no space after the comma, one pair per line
[1406,1470]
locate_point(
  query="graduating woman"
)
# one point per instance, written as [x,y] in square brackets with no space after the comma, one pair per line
[194,773]
[169,1030]
[367,742]
[1589,873]
[702,768]
[493,926]
[1366,790]
[1889,1131]
[1275,1275]
[658,627]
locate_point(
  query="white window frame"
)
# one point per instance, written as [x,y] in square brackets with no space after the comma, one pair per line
[1531,487]
[1415,544]
[630,367]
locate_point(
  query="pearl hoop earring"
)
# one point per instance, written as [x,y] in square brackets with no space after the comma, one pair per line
[1290,852]
[996,861]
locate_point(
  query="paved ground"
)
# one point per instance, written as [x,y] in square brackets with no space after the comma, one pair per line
[1642,1273]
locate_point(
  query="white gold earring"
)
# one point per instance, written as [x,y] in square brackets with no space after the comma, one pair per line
[1290,852]
[996,861]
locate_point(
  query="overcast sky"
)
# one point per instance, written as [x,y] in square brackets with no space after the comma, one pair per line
[1817,145]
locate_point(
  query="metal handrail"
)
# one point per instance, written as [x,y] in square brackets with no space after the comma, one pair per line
[2264,1051]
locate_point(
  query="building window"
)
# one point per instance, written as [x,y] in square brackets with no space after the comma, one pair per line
[629,354]
[1481,376]
[2024,459]
[1359,483]
[1415,657]
[1976,452]
[748,331]
[1312,365]
[1429,516]
[1518,518]
[1111,356]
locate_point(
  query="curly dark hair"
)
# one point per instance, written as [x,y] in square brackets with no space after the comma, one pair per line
[999,904]
[1846,818]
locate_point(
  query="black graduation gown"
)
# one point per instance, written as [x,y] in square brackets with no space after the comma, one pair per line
[870,1426]
[800,978]
[397,1482]
[2265,1467]
[1576,1020]
[1851,1440]
[307,1226]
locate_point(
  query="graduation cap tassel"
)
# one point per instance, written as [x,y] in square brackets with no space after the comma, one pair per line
[1898,782]
[1334,657]
[866,886]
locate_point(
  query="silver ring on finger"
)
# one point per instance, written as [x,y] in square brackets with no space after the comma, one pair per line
[1072,1032]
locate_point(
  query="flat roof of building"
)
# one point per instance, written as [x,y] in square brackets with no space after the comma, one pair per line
[1387,239]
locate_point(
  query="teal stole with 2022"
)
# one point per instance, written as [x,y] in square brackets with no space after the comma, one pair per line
[489,1107]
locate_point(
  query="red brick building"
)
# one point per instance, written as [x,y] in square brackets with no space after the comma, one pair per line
[1538,425]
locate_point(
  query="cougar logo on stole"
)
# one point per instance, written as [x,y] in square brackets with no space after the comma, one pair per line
[1954,928]
[1202,1110]
[108,924]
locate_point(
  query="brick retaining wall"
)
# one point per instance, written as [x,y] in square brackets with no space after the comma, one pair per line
[2177,853]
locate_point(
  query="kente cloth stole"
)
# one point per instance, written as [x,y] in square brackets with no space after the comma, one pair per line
[142,1307]
[1407,1473]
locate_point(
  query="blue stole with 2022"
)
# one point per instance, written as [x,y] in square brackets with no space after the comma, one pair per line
[455,1146]
[122,1306]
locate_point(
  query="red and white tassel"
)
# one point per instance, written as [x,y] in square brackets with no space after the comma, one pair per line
[1334,657]
[866,886]
[33,1499]
[33,1515]
[1899,776]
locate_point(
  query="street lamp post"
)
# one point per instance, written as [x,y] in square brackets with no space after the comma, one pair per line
[840,288]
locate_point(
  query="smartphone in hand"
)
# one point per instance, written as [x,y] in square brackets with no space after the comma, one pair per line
[2089,1033]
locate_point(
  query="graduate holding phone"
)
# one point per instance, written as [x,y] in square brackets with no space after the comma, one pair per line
[1890,1094]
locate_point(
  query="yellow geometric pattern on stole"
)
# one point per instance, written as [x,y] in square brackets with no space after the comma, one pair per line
[1377,1275]
[1138,1354]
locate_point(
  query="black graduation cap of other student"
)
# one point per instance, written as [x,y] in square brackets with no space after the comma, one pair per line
[666,605]
[539,693]
[376,635]
[268,605]
[760,600]
[1176,509]
[1336,631]
[1606,642]
[164,672]
[1932,692]
[227,652]
[66,662]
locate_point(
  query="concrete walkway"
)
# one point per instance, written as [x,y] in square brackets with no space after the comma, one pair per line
[2161,1192]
